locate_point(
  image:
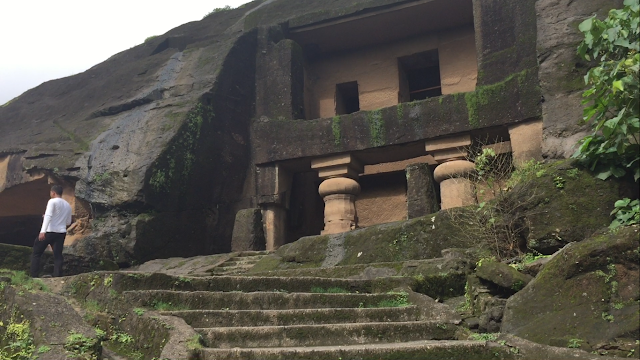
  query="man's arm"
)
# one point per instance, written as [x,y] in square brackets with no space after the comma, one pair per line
[46,219]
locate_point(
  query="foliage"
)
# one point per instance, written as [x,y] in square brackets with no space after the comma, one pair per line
[498,221]
[332,290]
[401,299]
[484,337]
[627,212]
[574,343]
[613,97]
[82,347]
[150,38]
[22,281]
[195,342]
[138,311]
[17,342]
[217,10]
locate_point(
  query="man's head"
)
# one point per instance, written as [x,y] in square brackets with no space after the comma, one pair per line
[56,191]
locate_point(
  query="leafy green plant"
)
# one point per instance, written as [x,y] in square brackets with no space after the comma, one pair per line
[138,311]
[18,339]
[559,182]
[401,299]
[575,343]
[82,347]
[612,98]
[626,212]
[44,349]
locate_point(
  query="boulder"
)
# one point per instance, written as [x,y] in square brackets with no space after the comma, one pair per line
[508,279]
[588,292]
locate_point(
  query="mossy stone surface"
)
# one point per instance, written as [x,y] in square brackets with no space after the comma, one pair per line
[589,291]
[502,275]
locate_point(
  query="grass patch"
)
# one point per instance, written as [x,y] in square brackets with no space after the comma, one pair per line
[401,299]
[332,290]
[22,281]
[484,337]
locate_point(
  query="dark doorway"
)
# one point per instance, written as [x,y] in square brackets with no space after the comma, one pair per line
[419,76]
[347,100]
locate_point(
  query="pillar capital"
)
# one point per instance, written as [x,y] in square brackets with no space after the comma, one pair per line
[343,165]
[447,149]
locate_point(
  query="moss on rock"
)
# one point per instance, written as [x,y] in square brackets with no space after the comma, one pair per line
[577,295]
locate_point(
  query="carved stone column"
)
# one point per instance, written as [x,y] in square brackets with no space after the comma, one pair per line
[339,196]
[455,188]
[339,191]
[453,171]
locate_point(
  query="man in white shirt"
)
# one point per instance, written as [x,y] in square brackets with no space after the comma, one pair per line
[54,229]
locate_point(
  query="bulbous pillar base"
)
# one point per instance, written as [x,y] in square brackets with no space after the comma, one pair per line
[339,196]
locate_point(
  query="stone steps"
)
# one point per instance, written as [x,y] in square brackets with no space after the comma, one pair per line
[238,264]
[229,318]
[325,334]
[342,319]
[412,350]
[129,280]
[205,300]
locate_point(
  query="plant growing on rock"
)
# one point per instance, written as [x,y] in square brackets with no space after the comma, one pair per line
[497,223]
[613,98]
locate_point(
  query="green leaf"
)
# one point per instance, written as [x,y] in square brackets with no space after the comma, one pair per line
[618,85]
[618,172]
[604,175]
[586,25]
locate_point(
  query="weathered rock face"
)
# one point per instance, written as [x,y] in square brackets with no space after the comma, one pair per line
[169,135]
[561,70]
[589,291]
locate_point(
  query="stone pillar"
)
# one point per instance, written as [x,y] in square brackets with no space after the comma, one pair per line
[526,142]
[422,198]
[339,196]
[455,188]
[339,190]
[273,189]
[453,171]
[273,218]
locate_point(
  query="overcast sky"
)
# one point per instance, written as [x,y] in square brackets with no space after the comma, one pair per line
[48,39]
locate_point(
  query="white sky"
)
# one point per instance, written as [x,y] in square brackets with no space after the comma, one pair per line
[42,40]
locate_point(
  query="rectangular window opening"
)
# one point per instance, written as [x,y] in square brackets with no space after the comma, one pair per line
[419,76]
[347,99]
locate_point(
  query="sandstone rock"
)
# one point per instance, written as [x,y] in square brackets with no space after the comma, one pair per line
[508,279]
[589,291]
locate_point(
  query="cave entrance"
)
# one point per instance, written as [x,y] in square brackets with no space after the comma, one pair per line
[21,209]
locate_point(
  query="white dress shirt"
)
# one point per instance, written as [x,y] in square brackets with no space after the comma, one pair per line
[57,216]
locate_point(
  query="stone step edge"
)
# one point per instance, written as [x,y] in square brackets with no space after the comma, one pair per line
[379,346]
[406,263]
[283,311]
[316,326]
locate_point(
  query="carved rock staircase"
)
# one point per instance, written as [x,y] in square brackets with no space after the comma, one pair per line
[269,318]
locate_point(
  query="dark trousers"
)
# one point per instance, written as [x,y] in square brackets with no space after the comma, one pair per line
[56,240]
